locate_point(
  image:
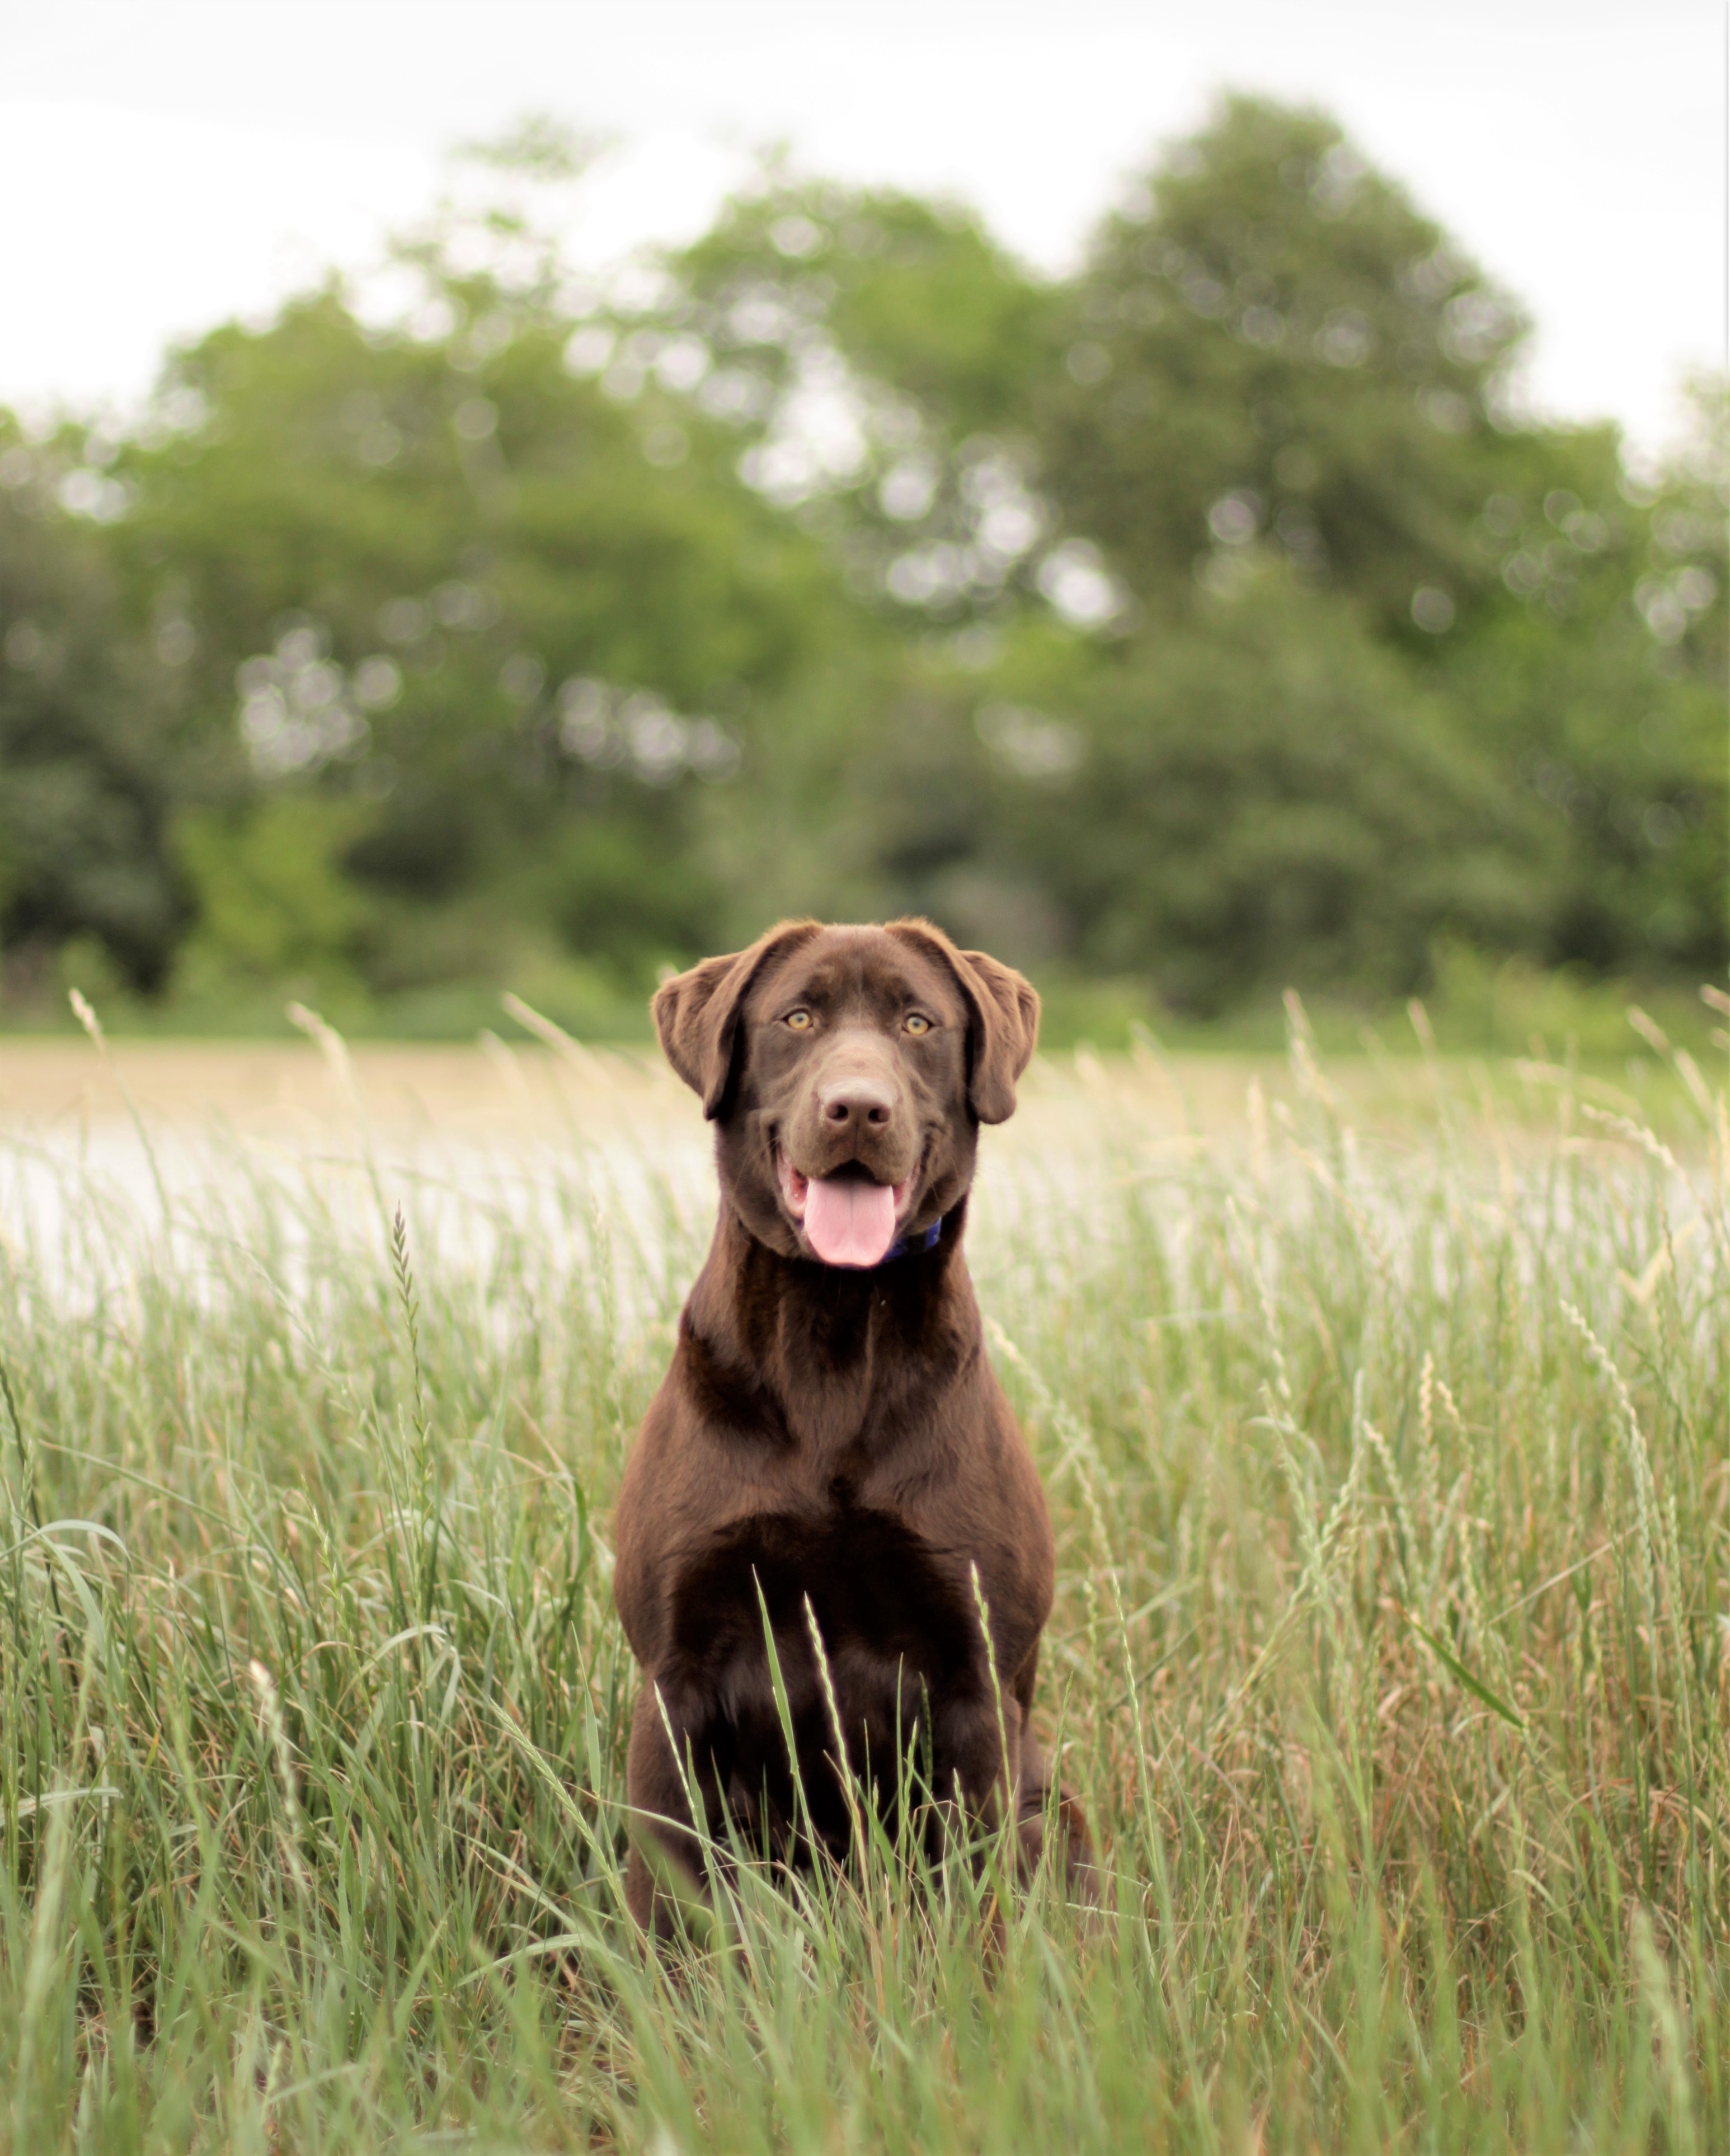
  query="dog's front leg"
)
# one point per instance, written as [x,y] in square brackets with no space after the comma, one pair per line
[1035,1804]
[996,1765]
[665,1867]
[978,1759]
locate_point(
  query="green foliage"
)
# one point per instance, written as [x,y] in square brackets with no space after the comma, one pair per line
[88,752]
[1274,340]
[1390,1656]
[1265,793]
[267,883]
[466,603]
[1272,369]
[917,294]
[1209,620]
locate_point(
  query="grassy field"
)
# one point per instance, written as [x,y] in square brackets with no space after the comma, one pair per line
[1387,1432]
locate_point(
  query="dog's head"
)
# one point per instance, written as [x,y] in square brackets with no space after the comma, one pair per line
[848,1069]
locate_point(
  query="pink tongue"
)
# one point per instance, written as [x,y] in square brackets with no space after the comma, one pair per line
[850,1222]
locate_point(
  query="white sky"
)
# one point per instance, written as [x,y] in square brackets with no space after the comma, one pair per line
[166,163]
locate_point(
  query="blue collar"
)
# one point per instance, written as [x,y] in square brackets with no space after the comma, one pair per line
[908,1244]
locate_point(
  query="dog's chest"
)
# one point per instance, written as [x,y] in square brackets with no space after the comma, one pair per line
[882,1601]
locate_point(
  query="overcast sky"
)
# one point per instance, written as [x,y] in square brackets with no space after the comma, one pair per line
[166,163]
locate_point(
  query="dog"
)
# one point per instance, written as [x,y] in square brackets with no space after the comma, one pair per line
[831,1451]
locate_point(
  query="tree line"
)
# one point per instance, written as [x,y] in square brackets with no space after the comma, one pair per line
[1212,619]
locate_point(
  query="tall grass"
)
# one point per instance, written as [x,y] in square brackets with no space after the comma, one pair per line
[1390,1658]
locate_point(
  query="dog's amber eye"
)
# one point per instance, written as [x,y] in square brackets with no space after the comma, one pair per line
[800,1020]
[916,1022]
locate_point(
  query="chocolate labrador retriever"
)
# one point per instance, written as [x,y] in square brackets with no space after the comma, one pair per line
[830,1448]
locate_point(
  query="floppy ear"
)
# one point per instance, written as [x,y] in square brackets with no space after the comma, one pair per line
[696,1014]
[1003,1019]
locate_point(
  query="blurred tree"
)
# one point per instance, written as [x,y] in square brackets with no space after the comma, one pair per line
[1258,796]
[1270,361]
[1216,616]
[916,293]
[1269,340]
[1597,685]
[273,905]
[883,358]
[519,622]
[89,754]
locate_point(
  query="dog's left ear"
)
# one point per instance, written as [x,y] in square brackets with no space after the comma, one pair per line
[1003,1019]
[696,1014]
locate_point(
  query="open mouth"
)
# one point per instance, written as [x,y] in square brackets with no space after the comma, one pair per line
[848,1219]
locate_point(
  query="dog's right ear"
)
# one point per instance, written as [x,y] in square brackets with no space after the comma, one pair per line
[696,1014]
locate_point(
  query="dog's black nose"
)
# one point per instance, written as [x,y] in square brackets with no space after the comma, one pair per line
[856,1102]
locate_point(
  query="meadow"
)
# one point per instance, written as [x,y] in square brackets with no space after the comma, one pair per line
[1385,1418]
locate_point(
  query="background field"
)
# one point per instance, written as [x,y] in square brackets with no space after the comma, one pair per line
[1384,1424]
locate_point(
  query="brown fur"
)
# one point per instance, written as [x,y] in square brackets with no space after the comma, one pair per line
[833,1438]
